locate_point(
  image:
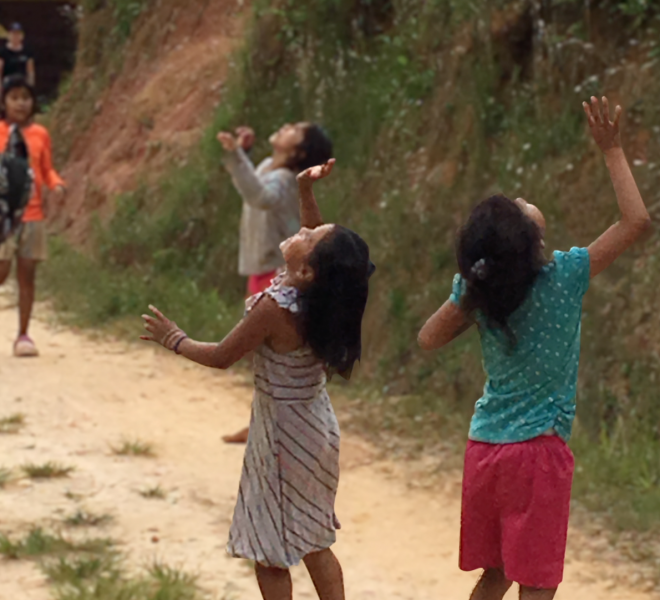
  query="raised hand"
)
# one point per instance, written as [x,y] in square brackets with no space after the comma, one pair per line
[315,173]
[162,330]
[245,137]
[228,141]
[604,131]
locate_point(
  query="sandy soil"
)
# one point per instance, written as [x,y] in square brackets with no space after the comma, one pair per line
[82,395]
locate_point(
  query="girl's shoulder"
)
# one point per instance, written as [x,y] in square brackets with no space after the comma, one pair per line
[569,271]
[286,297]
[37,130]
[573,263]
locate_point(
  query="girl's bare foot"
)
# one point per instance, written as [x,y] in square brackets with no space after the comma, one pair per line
[237,438]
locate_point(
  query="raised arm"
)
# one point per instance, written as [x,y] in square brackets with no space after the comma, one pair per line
[310,214]
[259,192]
[635,218]
[249,334]
[444,326]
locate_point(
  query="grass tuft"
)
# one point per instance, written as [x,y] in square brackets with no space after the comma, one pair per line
[38,543]
[12,423]
[49,470]
[5,476]
[83,518]
[134,448]
[154,493]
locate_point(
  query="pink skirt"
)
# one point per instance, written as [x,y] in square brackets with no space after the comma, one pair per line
[516,503]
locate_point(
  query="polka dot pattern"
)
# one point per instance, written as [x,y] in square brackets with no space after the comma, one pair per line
[532,388]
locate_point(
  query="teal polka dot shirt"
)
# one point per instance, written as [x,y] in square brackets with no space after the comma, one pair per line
[532,387]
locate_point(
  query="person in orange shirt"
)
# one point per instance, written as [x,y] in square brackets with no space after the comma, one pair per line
[28,245]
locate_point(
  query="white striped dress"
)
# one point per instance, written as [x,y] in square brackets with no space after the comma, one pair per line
[285,507]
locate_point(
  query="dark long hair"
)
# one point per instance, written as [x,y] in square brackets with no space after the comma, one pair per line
[315,149]
[13,82]
[500,254]
[332,306]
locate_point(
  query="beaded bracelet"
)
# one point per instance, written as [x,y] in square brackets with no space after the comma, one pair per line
[176,346]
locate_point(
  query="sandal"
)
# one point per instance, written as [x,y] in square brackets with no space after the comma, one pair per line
[24,346]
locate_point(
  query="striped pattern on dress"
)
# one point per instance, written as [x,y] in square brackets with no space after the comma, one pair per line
[286,498]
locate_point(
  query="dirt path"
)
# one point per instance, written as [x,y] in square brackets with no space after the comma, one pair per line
[80,396]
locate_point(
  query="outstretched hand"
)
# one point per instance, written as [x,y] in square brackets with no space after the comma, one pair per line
[162,330]
[228,141]
[245,137]
[604,131]
[315,173]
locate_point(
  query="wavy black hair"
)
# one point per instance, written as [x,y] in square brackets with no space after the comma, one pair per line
[315,149]
[500,255]
[332,305]
[13,82]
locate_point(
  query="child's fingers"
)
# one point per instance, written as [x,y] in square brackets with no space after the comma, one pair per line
[595,109]
[154,310]
[606,110]
[587,111]
[617,115]
[146,338]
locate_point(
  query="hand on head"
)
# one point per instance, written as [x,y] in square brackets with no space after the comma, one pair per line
[604,131]
[315,173]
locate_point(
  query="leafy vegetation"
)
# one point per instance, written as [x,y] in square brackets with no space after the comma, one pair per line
[432,105]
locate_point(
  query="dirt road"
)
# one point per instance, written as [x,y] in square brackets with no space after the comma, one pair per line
[82,395]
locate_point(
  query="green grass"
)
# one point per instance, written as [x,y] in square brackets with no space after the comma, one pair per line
[106,579]
[134,448]
[153,493]
[83,518]
[40,543]
[12,423]
[92,569]
[48,470]
[619,475]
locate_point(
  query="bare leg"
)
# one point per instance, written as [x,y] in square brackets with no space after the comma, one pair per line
[5,268]
[325,571]
[237,438]
[27,270]
[493,585]
[527,593]
[275,584]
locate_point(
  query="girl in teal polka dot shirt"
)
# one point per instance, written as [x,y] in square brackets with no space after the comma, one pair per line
[518,468]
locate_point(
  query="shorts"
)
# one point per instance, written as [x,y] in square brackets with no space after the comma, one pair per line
[29,241]
[516,503]
[260,283]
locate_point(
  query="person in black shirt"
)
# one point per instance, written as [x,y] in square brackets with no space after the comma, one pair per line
[15,57]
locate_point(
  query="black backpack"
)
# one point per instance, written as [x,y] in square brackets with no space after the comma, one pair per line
[16,181]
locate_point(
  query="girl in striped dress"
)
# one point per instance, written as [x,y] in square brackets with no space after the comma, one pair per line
[303,329]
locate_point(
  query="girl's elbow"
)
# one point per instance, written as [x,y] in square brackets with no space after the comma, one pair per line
[640,227]
[425,342]
[645,224]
